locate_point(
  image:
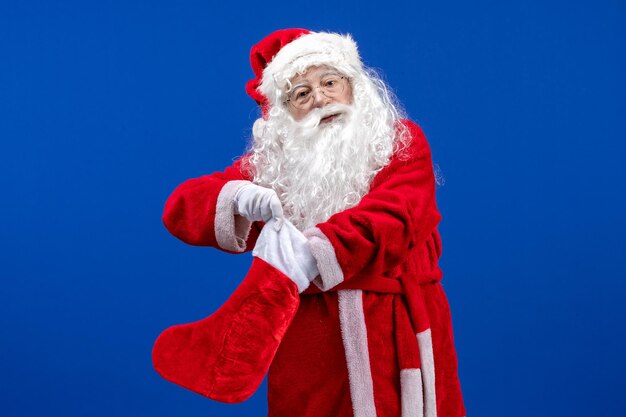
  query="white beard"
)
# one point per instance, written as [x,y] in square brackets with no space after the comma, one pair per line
[318,169]
[321,168]
[324,173]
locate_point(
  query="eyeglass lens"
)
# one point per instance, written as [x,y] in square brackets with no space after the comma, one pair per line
[331,86]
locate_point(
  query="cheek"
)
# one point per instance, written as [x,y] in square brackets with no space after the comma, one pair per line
[346,97]
[298,114]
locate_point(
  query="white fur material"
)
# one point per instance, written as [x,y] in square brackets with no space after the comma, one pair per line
[354,335]
[411,392]
[231,230]
[425,343]
[312,49]
[318,169]
[327,264]
[287,250]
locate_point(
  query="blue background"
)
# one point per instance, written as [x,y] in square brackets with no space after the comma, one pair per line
[106,106]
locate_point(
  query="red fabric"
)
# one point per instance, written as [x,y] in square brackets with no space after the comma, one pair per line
[390,237]
[449,397]
[309,377]
[261,54]
[392,233]
[398,214]
[382,338]
[226,355]
[189,213]
[408,352]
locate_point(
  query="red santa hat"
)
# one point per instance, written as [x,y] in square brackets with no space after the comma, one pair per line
[285,53]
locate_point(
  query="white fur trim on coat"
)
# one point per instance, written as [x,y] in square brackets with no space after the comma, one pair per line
[354,335]
[411,392]
[327,264]
[231,230]
[308,50]
[425,343]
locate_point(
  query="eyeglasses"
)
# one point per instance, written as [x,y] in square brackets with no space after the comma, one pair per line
[331,86]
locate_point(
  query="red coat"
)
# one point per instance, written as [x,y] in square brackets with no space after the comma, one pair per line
[373,336]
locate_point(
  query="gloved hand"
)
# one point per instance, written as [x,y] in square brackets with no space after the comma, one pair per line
[257,203]
[288,251]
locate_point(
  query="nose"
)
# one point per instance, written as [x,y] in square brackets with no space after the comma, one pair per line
[320,99]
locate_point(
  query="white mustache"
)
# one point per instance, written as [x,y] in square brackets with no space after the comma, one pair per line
[315,116]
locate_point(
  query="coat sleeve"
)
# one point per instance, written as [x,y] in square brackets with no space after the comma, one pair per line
[200,212]
[398,213]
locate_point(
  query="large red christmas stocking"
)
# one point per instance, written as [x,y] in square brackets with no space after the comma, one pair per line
[226,355]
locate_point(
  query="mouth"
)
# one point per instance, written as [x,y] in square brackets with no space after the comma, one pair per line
[330,118]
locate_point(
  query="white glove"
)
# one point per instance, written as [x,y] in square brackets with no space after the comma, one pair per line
[257,203]
[288,251]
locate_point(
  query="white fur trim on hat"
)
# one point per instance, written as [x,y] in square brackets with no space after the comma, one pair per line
[313,49]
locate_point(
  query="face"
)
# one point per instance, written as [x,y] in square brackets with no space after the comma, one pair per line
[316,88]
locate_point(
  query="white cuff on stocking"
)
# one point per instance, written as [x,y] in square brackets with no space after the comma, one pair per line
[287,250]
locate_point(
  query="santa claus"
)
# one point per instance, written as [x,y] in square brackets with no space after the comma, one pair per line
[336,197]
